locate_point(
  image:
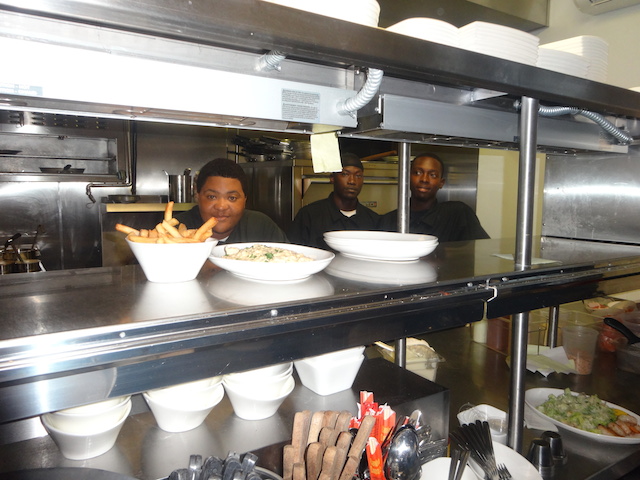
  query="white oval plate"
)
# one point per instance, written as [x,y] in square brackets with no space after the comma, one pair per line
[537,396]
[519,467]
[438,469]
[381,246]
[273,272]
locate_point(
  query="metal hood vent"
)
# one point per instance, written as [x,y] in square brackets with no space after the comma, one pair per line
[524,15]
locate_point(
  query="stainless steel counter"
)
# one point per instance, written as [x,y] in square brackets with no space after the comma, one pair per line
[79,336]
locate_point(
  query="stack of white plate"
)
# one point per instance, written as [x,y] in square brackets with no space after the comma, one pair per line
[563,62]
[593,49]
[365,12]
[500,41]
[430,29]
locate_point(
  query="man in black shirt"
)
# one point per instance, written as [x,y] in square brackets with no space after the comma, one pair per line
[449,221]
[221,189]
[340,211]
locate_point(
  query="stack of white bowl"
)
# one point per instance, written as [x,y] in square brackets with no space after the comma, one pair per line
[87,431]
[430,29]
[185,406]
[365,12]
[594,50]
[332,372]
[500,41]
[257,394]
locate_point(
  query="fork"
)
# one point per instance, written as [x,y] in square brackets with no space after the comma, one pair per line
[503,472]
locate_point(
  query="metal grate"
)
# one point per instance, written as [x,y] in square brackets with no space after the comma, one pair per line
[13,117]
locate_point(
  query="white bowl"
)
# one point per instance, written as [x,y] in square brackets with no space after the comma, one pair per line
[89,419]
[338,356]
[273,272]
[202,390]
[381,246]
[186,415]
[76,446]
[172,262]
[262,374]
[268,387]
[257,405]
[328,378]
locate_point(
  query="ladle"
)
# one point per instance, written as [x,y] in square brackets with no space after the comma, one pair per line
[623,329]
[403,458]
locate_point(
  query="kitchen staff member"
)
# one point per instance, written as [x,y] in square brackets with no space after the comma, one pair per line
[221,192]
[341,210]
[449,221]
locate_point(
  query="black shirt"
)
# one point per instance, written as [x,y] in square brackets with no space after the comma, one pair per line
[449,221]
[253,227]
[324,216]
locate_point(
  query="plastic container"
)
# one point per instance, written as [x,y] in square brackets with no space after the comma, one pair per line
[580,345]
[421,358]
[497,419]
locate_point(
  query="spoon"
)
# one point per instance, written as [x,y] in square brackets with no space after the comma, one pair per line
[622,328]
[403,459]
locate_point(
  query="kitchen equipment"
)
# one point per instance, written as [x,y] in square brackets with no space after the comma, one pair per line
[540,456]
[181,187]
[557,449]
[67,169]
[627,356]
[622,328]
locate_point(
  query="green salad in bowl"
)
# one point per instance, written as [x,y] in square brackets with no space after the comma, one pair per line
[582,411]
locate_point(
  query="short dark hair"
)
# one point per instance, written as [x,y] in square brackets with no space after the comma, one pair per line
[222,167]
[430,155]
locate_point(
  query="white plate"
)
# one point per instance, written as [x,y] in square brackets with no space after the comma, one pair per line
[438,469]
[381,246]
[537,396]
[389,273]
[232,288]
[519,467]
[273,272]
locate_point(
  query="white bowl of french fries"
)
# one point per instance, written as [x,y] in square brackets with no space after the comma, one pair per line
[170,252]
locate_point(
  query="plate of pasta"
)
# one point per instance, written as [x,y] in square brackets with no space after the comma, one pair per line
[586,415]
[271,262]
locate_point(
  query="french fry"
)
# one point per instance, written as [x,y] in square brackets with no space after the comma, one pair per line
[126,229]
[168,211]
[169,230]
[209,224]
[173,231]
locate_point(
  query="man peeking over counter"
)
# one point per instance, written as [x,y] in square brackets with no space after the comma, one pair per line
[221,192]
[449,221]
[341,210]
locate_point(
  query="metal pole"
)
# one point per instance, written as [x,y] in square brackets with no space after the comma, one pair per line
[552,326]
[404,164]
[524,227]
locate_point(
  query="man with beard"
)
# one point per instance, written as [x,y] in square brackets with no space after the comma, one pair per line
[340,211]
[449,221]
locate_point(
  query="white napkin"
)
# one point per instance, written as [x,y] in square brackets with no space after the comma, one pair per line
[549,360]
[325,152]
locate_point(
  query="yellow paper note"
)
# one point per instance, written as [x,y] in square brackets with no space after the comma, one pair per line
[325,152]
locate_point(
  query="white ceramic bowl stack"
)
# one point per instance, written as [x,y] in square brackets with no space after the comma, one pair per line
[87,431]
[430,29]
[500,41]
[172,262]
[365,12]
[594,50]
[185,406]
[332,372]
[257,394]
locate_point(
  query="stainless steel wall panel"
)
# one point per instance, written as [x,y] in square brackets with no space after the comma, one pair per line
[593,197]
